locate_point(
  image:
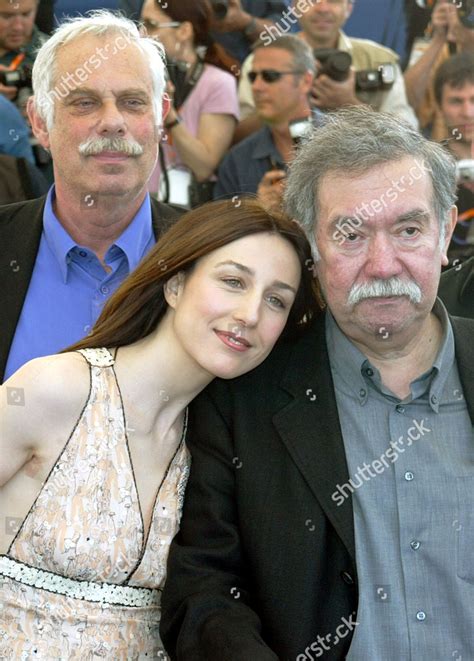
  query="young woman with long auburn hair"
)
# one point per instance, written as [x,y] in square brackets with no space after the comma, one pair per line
[93,440]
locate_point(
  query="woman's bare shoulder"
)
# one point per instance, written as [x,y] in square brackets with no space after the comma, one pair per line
[51,386]
[39,404]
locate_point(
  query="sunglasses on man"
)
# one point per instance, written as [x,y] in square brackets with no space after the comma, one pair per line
[269,75]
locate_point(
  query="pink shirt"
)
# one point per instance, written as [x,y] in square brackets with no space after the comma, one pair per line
[215,92]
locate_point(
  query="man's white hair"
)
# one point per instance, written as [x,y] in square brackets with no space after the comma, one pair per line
[47,88]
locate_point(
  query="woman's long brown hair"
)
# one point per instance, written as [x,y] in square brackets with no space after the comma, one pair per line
[199,13]
[135,309]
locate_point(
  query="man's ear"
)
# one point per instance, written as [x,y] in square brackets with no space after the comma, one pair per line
[38,124]
[166,105]
[450,225]
[185,31]
[173,288]
[307,80]
[349,8]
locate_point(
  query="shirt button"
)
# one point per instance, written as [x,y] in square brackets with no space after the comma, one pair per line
[369,371]
[434,399]
[104,290]
[409,476]
[420,616]
[415,545]
[362,392]
[399,408]
[82,253]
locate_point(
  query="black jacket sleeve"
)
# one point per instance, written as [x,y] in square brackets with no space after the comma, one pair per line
[207,610]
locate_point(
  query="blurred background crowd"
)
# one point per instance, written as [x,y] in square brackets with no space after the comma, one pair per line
[249,78]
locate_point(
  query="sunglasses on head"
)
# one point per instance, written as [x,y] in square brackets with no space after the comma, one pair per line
[269,75]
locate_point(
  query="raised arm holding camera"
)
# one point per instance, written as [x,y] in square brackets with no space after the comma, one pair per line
[350,71]
[451,32]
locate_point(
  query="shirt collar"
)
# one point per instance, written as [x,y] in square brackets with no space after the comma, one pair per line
[265,146]
[354,368]
[344,43]
[58,240]
[133,240]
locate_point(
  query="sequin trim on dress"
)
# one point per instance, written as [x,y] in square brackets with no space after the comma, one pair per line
[106,593]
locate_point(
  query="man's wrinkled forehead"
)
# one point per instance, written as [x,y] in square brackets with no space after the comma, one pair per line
[91,52]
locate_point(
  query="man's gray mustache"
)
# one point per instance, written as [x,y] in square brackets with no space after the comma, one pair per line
[383,289]
[96,146]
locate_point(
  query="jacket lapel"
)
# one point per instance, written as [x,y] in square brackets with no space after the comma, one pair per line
[163,216]
[309,428]
[464,345]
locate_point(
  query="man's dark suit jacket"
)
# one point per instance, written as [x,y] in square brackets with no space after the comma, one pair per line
[456,289]
[21,225]
[265,559]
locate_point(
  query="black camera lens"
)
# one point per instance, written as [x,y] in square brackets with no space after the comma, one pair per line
[334,63]
[17,78]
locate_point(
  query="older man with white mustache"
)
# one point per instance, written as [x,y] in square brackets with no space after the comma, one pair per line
[275,559]
[98,106]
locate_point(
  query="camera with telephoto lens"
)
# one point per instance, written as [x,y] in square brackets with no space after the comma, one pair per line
[220,8]
[465,171]
[337,63]
[17,78]
[466,13]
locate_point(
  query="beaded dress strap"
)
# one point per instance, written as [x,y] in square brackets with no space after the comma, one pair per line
[98,357]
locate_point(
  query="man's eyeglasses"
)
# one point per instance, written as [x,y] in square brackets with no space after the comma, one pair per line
[155,25]
[269,75]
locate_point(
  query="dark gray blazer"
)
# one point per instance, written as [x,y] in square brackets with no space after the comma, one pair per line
[456,289]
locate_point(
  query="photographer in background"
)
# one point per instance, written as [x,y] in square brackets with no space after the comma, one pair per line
[19,41]
[362,79]
[281,79]
[454,94]
[201,122]
[452,31]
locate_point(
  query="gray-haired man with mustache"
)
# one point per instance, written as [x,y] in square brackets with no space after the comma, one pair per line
[329,507]
[62,256]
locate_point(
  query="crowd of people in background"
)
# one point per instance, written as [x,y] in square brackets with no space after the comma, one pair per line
[230,128]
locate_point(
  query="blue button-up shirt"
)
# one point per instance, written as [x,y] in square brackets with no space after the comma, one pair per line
[69,285]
